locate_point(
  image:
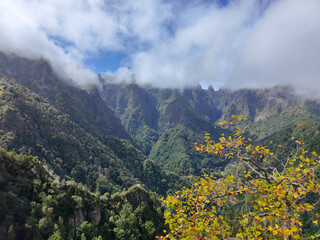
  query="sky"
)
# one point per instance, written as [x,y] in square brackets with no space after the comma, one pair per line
[171,43]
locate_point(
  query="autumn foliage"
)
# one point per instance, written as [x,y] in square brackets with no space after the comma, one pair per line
[257,201]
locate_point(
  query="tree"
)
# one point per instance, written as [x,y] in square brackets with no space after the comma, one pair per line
[11,233]
[55,236]
[126,224]
[258,201]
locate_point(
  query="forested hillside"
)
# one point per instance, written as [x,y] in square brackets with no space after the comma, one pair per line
[93,163]
[36,206]
[75,140]
[267,193]
[158,119]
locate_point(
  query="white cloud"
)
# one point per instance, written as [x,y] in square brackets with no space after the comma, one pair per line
[143,19]
[25,33]
[170,43]
[239,46]
[203,50]
[67,32]
[122,75]
[284,48]
[84,24]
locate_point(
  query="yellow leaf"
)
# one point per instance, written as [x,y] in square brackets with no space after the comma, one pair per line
[240,235]
[294,228]
[286,232]
[315,222]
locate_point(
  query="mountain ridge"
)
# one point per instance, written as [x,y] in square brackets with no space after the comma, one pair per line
[198,110]
[157,121]
[86,106]
[33,124]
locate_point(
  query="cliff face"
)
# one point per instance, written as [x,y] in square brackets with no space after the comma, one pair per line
[166,122]
[85,107]
[163,124]
[161,109]
[34,205]
[71,130]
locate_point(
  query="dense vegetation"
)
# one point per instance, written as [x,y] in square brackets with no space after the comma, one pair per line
[97,161]
[254,201]
[30,124]
[156,118]
[36,206]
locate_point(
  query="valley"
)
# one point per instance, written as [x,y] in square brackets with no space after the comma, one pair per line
[95,161]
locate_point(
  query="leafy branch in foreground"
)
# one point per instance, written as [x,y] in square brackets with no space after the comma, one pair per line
[264,202]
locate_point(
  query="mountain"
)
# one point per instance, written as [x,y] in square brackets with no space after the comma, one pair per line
[268,110]
[98,151]
[104,135]
[306,131]
[85,107]
[72,131]
[165,123]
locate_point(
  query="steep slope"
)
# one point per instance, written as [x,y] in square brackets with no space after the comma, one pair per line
[30,124]
[34,206]
[136,109]
[307,131]
[161,120]
[175,152]
[267,110]
[164,125]
[86,108]
[205,102]
[181,126]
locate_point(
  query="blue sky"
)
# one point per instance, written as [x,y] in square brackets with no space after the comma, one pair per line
[170,43]
[106,61]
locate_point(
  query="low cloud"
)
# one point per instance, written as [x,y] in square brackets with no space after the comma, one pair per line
[283,48]
[240,45]
[168,43]
[68,32]
[203,49]
[23,32]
